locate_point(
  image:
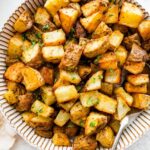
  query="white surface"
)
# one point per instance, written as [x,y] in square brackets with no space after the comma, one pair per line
[7,7]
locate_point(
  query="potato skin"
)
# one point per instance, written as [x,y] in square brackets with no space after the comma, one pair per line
[84,71]
[43,133]
[11,97]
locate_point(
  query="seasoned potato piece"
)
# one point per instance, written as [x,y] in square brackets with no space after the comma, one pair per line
[10,61]
[77,7]
[136,89]
[32,79]
[115,125]
[134,67]
[61,139]
[89,99]
[121,28]
[90,23]
[59,83]
[11,97]
[84,142]
[106,137]
[13,72]
[124,95]
[79,30]
[54,38]
[24,102]
[94,122]
[111,15]
[47,95]
[122,109]
[94,82]
[42,109]
[121,54]
[72,77]
[15,46]
[106,104]
[84,71]
[138,79]
[68,17]
[115,39]
[43,133]
[24,22]
[66,93]
[80,122]
[141,101]
[146,45]
[90,8]
[56,20]
[53,54]
[78,111]
[144,29]
[107,88]
[27,116]
[75,1]
[62,118]
[108,61]
[101,30]
[53,6]
[113,76]
[32,56]
[57,129]
[96,47]
[131,15]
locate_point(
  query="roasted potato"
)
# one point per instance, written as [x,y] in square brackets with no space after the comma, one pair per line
[43,133]
[27,116]
[123,29]
[84,71]
[77,7]
[56,20]
[115,125]
[79,30]
[57,129]
[131,15]
[32,78]
[13,72]
[11,97]
[59,83]
[80,122]
[66,93]
[107,88]
[24,22]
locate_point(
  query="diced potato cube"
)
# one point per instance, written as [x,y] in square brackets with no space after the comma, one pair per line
[66,93]
[53,54]
[43,133]
[108,61]
[11,97]
[106,137]
[115,39]
[138,79]
[24,22]
[96,47]
[106,104]
[111,15]
[54,38]
[80,122]
[77,7]
[141,101]
[27,116]
[84,71]
[90,23]
[144,29]
[13,72]
[94,82]
[42,109]
[121,54]
[122,109]
[56,20]
[131,15]
[134,67]
[41,16]
[124,95]
[95,121]
[71,77]
[136,89]
[107,88]
[75,1]
[68,17]
[47,95]
[78,111]
[113,76]
[115,125]
[101,30]
[62,118]
[32,78]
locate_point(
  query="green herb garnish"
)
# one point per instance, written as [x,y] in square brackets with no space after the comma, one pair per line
[93,124]
[96,61]
[92,101]
[46,27]
[71,33]
[38,35]
[100,77]
[33,43]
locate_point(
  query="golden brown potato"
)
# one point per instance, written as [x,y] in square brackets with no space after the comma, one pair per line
[79,30]
[121,28]
[24,22]
[68,17]
[32,78]
[11,97]
[27,116]
[107,88]
[115,125]
[138,79]
[56,20]
[80,122]
[94,122]
[61,139]
[136,89]
[106,137]
[144,29]
[77,7]
[141,101]
[75,1]
[146,45]
[54,38]
[43,133]
[57,129]
[78,111]
[13,72]
[134,67]
[84,71]
[90,23]
[131,15]
[66,93]
[84,142]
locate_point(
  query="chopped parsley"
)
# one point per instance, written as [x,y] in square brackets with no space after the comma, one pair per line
[100,77]
[33,43]
[111,70]
[96,61]
[38,35]
[92,101]
[93,124]
[71,34]
[46,27]
[81,123]
[78,88]
[93,80]
[110,15]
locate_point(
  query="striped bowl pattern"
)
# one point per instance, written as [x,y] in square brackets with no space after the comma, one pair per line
[131,134]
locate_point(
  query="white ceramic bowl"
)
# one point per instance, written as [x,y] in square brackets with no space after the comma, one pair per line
[131,134]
